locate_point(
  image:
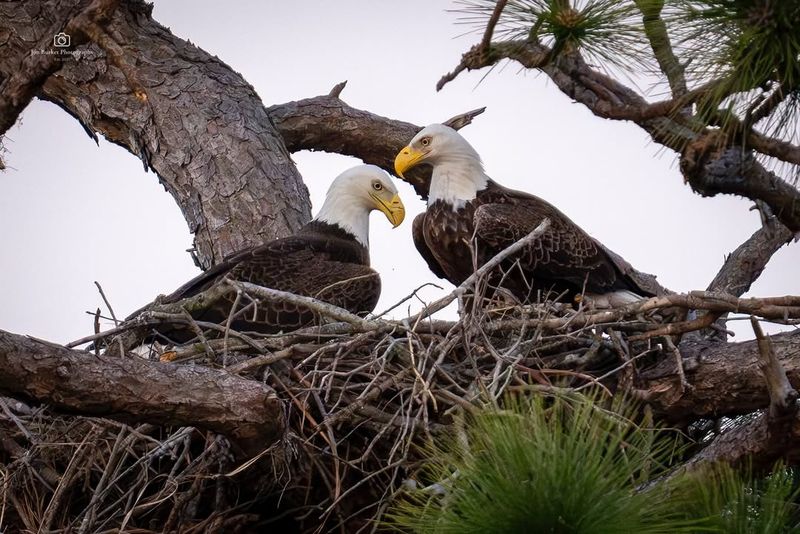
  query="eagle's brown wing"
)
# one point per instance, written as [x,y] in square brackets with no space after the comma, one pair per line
[564,255]
[306,264]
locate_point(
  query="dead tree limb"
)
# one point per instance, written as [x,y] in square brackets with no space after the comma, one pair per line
[782,396]
[769,435]
[135,390]
[724,378]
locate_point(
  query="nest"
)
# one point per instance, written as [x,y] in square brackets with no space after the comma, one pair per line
[363,397]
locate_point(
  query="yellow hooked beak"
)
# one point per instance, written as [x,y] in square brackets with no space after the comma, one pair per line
[405,159]
[393,209]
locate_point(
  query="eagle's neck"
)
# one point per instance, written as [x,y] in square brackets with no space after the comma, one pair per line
[456,181]
[347,214]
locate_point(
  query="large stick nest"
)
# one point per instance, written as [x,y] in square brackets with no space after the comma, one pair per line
[362,398]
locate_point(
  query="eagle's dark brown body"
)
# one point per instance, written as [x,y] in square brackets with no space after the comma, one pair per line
[321,261]
[565,259]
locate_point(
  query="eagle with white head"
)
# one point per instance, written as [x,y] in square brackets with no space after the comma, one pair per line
[464,203]
[327,259]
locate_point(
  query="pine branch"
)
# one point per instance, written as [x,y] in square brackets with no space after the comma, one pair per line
[656,32]
[730,171]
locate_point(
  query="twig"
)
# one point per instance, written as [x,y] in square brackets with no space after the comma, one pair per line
[684,385]
[74,466]
[200,335]
[322,308]
[228,322]
[260,361]
[404,299]
[481,272]
[108,304]
[487,35]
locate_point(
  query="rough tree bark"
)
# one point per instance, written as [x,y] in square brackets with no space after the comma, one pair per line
[190,118]
[132,389]
[723,379]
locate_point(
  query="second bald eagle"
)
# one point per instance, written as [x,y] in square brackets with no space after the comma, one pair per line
[327,259]
[463,202]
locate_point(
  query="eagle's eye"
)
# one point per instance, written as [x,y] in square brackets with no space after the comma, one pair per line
[425,141]
[377,186]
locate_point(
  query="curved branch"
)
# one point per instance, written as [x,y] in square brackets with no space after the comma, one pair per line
[192,119]
[329,124]
[735,171]
[732,171]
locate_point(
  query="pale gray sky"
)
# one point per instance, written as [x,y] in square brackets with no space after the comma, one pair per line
[72,212]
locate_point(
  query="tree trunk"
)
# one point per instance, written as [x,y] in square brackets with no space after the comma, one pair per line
[190,118]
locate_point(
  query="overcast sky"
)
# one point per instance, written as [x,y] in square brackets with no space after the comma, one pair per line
[72,212]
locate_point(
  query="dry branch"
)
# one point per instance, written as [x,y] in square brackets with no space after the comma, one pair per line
[782,395]
[360,396]
[132,389]
[481,272]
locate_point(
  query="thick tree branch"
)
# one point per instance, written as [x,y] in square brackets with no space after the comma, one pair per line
[733,170]
[724,378]
[226,166]
[769,435]
[327,123]
[750,443]
[31,69]
[744,265]
[135,390]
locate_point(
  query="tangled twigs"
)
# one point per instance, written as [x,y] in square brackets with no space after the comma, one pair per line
[481,272]
[360,397]
[779,309]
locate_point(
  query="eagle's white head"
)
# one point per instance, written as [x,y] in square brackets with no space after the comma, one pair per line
[354,194]
[457,168]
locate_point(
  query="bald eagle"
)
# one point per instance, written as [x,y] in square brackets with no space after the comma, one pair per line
[464,202]
[327,259]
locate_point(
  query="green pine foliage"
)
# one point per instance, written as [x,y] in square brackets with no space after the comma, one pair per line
[568,465]
[752,48]
[738,503]
[608,32]
[745,52]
